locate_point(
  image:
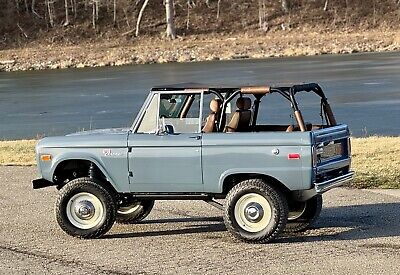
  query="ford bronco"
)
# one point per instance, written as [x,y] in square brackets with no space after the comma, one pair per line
[270,175]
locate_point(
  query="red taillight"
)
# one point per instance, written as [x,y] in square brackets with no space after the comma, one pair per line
[294,156]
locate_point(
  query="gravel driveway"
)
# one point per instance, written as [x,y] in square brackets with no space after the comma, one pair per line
[358,233]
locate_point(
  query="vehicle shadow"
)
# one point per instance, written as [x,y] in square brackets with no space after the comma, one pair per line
[352,222]
[191,229]
[184,219]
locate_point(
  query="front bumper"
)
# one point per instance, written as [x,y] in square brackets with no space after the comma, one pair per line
[321,187]
[41,183]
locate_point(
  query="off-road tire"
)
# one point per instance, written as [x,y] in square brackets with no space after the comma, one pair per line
[308,217]
[95,188]
[277,203]
[138,215]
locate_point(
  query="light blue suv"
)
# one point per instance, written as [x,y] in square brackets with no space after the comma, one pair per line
[203,143]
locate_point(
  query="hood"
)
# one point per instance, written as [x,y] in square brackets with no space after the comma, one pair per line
[106,138]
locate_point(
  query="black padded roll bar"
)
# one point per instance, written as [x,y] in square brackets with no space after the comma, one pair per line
[289,93]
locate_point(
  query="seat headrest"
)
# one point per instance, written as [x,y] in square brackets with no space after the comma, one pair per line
[243,103]
[215,105]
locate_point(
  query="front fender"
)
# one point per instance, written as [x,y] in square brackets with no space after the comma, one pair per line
[48,173]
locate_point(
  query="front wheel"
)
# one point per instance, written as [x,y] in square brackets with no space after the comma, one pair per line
[85,209]
[135,211]
[255,211]
[302,215]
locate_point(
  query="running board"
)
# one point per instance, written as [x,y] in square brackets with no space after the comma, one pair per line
[171,196]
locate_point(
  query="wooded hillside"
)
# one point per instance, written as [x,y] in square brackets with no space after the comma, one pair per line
[70,22]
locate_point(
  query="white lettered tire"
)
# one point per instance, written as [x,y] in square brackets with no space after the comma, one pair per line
[255,211]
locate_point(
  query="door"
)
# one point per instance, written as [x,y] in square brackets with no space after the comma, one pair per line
[161,161]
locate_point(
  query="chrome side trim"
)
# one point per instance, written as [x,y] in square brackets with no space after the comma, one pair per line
[324,186]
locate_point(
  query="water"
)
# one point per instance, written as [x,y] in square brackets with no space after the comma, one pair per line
[363,89]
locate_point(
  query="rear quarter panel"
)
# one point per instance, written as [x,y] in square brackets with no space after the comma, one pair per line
[224,154]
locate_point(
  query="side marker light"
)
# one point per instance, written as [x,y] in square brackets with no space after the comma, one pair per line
[45,157]
[294,156]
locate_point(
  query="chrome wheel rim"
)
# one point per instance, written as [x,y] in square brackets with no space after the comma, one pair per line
[253,212]
[297,213]
[85,210]
[126,210]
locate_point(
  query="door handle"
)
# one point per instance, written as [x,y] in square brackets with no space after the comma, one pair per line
[197,137]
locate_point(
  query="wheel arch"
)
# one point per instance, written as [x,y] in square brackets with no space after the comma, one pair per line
[228,181]
[64,168]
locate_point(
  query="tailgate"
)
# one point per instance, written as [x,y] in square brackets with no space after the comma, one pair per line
[331,157]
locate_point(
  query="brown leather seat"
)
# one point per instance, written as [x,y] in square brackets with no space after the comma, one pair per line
[293,128]
[240,120]
[212,119]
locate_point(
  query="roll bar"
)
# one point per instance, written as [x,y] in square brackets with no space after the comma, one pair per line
[289,93]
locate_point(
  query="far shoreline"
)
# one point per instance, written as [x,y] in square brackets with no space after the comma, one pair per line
[211,61]
[199,48]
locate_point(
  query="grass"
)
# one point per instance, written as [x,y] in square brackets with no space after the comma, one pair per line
[376,160]
[18,152]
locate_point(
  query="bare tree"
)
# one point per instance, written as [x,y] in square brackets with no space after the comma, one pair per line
[66,23]
[50,10]
[190,4]
[22,30]
[346,13]
[73,5]
[34,9]
[26,6]
[139,19]
[126,17]
[218,8]
[94,13]
[169,14]
[261,14]
[97,9]
[17,6]
[115,11]
[326,5]
[286,5]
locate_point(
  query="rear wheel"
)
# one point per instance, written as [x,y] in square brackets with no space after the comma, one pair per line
[134,212]
[85,208]
[255,211]
[302,215]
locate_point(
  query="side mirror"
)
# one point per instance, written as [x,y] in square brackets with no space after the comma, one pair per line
[169,129]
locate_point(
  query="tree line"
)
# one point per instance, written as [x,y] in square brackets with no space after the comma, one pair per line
[65,12]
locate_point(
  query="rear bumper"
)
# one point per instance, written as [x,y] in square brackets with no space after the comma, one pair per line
[321,187]
[41,183]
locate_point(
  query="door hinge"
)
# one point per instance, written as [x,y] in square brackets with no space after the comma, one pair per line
[130,174]
[129,149]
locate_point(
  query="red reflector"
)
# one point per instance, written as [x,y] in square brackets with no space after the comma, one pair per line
[294,156]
